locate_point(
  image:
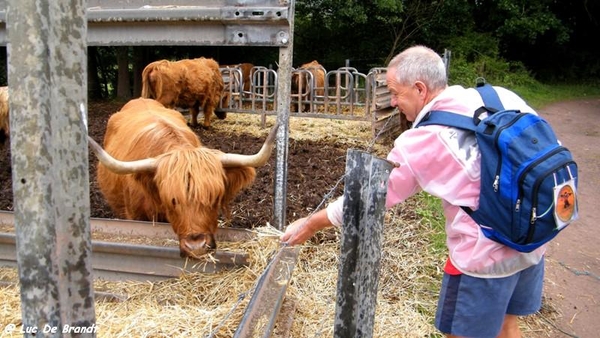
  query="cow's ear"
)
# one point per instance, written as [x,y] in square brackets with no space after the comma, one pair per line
[236,179]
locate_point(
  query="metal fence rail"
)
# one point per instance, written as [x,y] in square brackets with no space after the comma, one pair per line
[345,95]
[121,260]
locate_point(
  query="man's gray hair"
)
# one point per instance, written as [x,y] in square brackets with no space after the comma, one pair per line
[420,63]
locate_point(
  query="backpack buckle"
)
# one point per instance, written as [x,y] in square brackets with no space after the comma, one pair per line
[426,116]
[480,82]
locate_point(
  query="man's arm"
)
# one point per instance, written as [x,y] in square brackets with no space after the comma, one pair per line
[304,228]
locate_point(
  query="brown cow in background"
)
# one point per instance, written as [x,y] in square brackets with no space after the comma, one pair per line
[234,87]
[164,173]
[189,83]
[246,70]
[4,122]
[305,85]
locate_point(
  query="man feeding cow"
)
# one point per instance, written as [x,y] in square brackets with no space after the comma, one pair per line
[190,83]
[154,168]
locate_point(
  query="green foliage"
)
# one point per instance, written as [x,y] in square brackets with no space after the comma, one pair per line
[472,46]
[332,31]
[528,21]
[476,56]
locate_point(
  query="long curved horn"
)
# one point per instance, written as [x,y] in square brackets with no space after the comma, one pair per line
[121,167]
[257,160]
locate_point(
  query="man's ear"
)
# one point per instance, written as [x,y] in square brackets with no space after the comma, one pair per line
[421,88]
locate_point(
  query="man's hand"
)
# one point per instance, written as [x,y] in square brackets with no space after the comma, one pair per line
[297,232]
[304,228]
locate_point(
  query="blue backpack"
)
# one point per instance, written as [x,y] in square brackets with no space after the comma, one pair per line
[528,180]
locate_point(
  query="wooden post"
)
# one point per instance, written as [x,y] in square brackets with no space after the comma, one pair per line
[364,210]
[47,80]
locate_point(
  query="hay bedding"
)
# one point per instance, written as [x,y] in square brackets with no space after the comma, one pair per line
[198,305]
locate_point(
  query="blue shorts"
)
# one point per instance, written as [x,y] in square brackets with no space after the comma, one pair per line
[475,307]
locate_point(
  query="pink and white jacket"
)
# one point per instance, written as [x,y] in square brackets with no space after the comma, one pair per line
[445,163]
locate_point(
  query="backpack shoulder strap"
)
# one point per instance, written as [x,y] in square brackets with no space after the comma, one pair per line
[491,102]
[449,119]
[489,96]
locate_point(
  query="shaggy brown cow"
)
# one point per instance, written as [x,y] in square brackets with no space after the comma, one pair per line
[190,83]
[4,123]
[245,81]
[163,173]
[246,70]
[308,79]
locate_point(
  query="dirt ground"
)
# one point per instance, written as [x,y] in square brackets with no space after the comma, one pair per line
[573,259]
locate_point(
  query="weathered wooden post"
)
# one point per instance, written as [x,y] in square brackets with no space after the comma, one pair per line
[365,190]
[47,79]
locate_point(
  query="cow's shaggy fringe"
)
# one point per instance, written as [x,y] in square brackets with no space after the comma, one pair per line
[198,304]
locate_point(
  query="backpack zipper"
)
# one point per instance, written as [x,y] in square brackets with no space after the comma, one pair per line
[496,184]
[553,152]
[534,199]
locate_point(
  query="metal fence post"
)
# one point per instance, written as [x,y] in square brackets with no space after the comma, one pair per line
[365,189]
[446,57]
[283,100]
[47,79]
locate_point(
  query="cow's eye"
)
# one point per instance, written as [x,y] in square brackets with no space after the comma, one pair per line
[174,202]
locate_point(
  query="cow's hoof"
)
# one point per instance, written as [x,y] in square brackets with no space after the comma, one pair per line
[221,115]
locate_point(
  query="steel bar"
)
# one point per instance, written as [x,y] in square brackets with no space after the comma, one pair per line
[119,261]
[124,261]
[262,311]
[202,23]
[145,229]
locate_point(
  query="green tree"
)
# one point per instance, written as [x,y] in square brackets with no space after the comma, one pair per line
[539,33]
[332,31]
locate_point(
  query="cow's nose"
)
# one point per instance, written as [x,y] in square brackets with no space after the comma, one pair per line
[211,242]
[197,245]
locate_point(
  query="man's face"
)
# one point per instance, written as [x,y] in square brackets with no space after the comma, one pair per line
[406,97]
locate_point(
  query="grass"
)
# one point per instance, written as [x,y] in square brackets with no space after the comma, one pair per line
[429,209]
[541,95]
